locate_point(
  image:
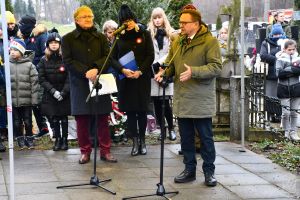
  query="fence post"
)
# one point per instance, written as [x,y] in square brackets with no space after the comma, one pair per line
[235,108]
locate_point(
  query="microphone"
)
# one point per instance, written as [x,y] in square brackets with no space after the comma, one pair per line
[120,29]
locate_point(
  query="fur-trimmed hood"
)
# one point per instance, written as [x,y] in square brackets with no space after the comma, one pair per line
[39,29]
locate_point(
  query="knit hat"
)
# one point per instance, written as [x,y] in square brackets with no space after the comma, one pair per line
[191,10]
[26,24]
[10,18]
[277,29]
[125,13]
[19,45]
[53,37]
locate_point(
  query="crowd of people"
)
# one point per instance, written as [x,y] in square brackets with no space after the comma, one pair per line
[50,78]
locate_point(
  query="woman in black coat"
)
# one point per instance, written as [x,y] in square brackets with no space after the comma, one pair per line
[54,79]
[134,89]
[268,50]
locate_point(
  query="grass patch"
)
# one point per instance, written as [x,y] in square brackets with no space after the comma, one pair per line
[285,153]
[62,28]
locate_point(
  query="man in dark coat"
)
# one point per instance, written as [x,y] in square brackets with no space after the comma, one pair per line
[84,51]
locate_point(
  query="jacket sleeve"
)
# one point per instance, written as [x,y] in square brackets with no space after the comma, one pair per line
[2,75]
[34,81]
[213,65]
[170,68]
[265,55]
[149,54]
[42,77]
[66,89]
[74,66]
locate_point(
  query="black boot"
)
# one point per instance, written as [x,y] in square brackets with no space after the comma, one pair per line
[57,144]
[172,135]
[64,144]
[142,146]
[135,146]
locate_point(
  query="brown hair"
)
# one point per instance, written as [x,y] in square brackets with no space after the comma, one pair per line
[48,53]
[289,43]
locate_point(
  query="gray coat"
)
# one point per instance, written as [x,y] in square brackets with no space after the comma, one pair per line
[24,82]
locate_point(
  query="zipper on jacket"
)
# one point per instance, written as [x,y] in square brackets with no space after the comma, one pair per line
[17,85]
[289,78]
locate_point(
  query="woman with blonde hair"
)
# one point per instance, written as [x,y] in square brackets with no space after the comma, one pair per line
[161,31]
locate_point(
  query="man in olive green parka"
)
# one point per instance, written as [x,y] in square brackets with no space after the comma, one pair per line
[195,61]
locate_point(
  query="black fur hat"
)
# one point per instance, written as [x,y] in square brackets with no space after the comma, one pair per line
[125,13]
[54,36]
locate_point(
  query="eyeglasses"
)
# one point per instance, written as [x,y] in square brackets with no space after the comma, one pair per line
[185,23]
[86,17]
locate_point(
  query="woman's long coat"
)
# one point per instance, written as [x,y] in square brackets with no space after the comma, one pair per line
[53,77]
[82,51]
[134,94]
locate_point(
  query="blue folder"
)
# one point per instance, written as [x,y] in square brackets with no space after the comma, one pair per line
[128,62]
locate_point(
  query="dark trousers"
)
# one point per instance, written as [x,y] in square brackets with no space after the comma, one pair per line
[39,118]
[83,123]
[60,121]
[22,115]
[134,118]
[168,112]
[203,126]
[3,116]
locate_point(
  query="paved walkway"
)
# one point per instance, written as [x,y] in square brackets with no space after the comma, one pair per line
[240,175]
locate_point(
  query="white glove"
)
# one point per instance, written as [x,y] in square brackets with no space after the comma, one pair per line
[57,96]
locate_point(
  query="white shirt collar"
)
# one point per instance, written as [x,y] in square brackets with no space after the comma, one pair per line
[192,36]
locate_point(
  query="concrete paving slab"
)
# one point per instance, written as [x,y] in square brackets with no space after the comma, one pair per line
[167,162]
[223,150]
[168,171]
[27,160]
[240,179]
[3,197]
[36,188]
[2,179]
[263,167]
[221,161]
[284,180]
[59,196]
[3,190]
[243,159]
[31,168]
[32,178]
[140,174]
[216,193]
[258,191]
[230,169]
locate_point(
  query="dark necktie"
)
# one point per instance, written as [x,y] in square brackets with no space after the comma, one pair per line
[188,41]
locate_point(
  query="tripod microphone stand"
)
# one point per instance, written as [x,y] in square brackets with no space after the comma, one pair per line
[95,181]
[160,186]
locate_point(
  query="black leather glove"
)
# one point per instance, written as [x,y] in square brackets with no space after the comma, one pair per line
[155,67]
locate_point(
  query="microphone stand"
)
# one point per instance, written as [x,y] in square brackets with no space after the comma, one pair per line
[160,186]
[95,181]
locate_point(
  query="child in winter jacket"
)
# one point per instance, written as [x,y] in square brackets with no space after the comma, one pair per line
[56,99]
[2,106]
[288,88]
[24,91]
